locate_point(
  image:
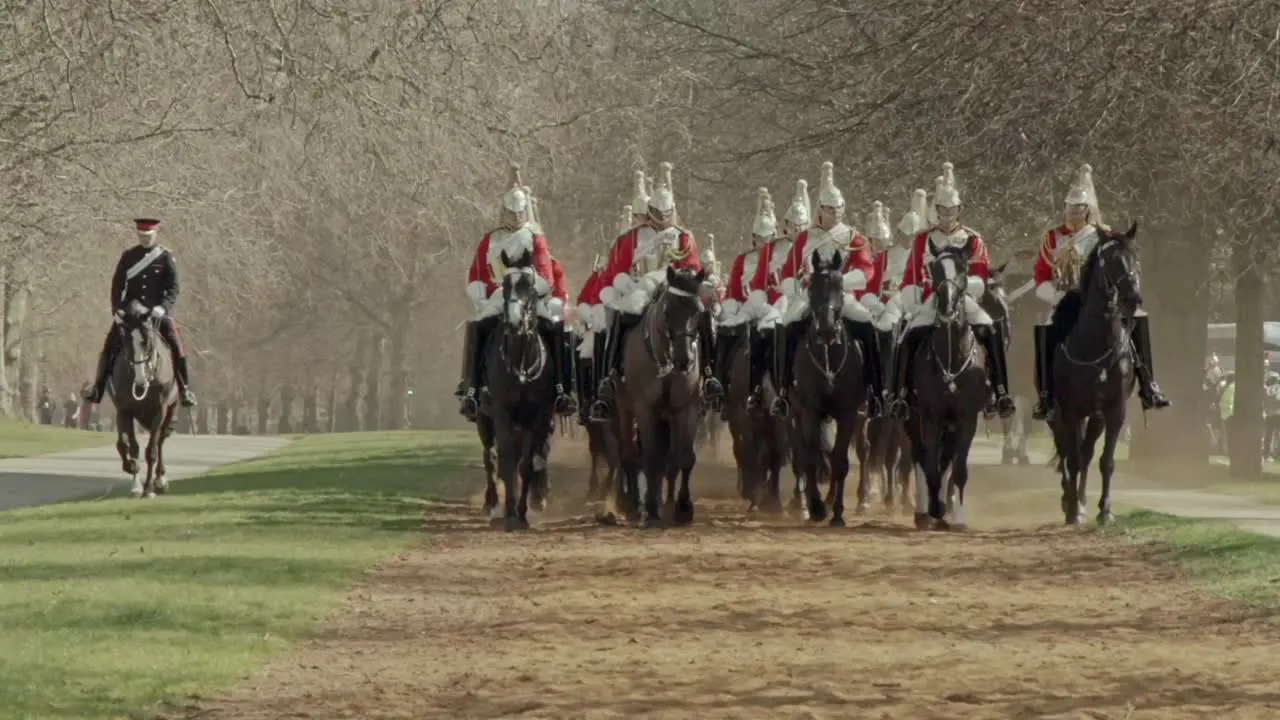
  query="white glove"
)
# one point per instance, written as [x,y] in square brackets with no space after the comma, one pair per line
[118,317]
[157,312]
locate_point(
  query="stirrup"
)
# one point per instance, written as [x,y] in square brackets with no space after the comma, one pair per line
[187,398]
[753,398]
[780,408]
[600,411]
[875,407]
[1005,406]
[898,408]
[566,404]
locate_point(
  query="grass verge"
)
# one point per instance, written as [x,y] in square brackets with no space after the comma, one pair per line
[22,439]
[123,607]
[1237,564]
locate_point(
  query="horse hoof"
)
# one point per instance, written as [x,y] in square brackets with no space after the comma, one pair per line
[817,512]
[941,525]
[540,504]
[922,521]
[653,522]
[1024,460]
[150,494]
[683,514]
[1105,518]
[669,509]
[1073,519]
[958,527]
[497,522]
[863,508]
[515,523]
[836,522]
[608,519]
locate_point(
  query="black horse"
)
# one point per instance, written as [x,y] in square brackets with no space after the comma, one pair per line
[521,389]
[145,392]
[950,392]
[1093,371]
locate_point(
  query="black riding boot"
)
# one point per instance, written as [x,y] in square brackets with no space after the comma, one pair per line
[993,343]
[783,350]
[872,371]
[1148,392]
[581,383]
[712,388]
[95,393]
[609,371]
[478,336]
[722,368]
[758,363]
[188,398]
[1044,374]
[561,352]
[900,380]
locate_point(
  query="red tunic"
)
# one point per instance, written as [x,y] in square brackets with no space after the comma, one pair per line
[1043,270]
[735,289]
[558,287]
[915,273]
[622,255]
[481,272]
[590,293]
[857,257]
[762,279]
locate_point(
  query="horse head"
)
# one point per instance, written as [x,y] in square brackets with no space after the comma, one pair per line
[1113,267]
[826,295]
[519,294]
[674,323]
[949,276]
[143,343]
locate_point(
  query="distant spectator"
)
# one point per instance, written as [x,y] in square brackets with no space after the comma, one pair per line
[71,411]
[46,409]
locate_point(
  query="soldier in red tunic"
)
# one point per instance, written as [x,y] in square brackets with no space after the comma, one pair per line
[1057,270]
[917,297]
[745,302]
[829,235]
[517,233]
[637,264]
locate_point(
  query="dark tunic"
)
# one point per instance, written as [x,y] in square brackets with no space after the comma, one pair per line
[152,285]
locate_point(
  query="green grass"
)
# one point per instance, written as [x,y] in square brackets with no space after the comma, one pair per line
[115,608]
[1234,563]
[22,439]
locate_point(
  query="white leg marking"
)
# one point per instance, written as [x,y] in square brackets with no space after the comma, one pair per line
[642,486]
[804,498]
[137,485]
[922,491]
[496,512]
[957,510]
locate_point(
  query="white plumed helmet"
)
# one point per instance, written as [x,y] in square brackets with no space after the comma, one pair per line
[878,223]
[765,224]
[913,221]
[948,196]
[1083,193]
[828,194]
[516,198]
[800,213]
[663,198]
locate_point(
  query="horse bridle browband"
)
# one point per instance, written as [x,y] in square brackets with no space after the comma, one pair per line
[528,327]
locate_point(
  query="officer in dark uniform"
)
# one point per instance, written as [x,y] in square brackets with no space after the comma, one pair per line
[146,273]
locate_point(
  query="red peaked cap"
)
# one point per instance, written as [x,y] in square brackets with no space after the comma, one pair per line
[145,224]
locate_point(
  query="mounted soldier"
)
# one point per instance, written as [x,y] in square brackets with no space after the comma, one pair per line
[829,235]
[916,297]
[1057,271]
[518,232]
[746,301]
[881,297]
[767,290]
[637,264]
[146,273]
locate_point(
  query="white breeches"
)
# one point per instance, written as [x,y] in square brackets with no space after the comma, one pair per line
[549,308]
[927,314]
[756,309]
[587,346]
[851,309]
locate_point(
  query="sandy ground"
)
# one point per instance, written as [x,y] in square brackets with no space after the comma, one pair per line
[737,618]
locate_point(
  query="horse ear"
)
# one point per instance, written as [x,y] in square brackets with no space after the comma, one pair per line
[1003,265]
[1133,230]
[701,276]
[671,274]
[933,249]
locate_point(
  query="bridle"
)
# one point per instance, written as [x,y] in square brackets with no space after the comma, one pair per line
[144,368]
[1102,272]
[815,331]
[524,327]
[655,330]
[953,321]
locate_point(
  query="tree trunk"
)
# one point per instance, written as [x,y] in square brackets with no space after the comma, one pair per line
[264,412]
[311,410]
[373,384]
[397,397]
[224,418]
[1244,430]
[287,397]
[29,383]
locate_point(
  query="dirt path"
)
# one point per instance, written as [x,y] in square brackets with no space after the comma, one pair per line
[741,619]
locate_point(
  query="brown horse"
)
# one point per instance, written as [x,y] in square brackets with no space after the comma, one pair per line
[144,391]
[660,399]
[759,439]
[890,447]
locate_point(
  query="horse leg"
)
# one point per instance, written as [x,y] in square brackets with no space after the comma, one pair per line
[1107,463]
[650,478]
[861,448]
[846,428]
[1069,456]
[153,440]
[960,471]
[166,428]
[631,480]
[126,447]
[485,428]
[529,478]
[904,472]
[593,475]
[509,458]
[919,458]
[1093,429]
[684,456]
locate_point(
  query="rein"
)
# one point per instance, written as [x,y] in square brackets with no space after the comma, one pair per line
[953,322]
[824,366]
[1111,356]
[148,364]
[527,369]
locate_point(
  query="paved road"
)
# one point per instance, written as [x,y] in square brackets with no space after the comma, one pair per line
[53,478]
[1143,492]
